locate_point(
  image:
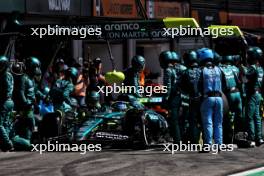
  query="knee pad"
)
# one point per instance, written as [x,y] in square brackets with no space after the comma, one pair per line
[21,144]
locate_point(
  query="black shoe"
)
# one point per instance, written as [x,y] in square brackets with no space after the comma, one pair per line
[7,147]
[259,142]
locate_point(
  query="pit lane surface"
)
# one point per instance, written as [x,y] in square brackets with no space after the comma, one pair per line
[130,163]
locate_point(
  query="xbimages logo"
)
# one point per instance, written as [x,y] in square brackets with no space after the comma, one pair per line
[146,90]
[58,147]
[195,31]
[56,30]
[182,147]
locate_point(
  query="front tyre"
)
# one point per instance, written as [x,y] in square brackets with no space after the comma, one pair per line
[137,127]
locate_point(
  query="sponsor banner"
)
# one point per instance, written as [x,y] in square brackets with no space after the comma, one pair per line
[115,8]
[59,7]
[170,9]
[128,8]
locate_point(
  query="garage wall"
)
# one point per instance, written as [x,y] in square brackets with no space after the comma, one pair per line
[100,50]
[151,54]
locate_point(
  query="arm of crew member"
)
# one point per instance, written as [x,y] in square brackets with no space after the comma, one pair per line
[10,86]
[67,93]
[238,82]
[167,82]
[22,91]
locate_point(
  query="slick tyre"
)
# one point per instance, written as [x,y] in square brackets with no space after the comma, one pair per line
[50,126]
[137,128]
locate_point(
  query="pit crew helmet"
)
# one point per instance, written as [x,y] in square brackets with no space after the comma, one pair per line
[175,57]
[93,99]
[190,57]
[205,55]
[72,73]
[164,59]
[4,63]
[33,66]
[138,62]
[228,59]
[119,106]
[254,53]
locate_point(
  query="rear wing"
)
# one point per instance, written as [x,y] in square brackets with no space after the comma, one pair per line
[234,30]
[177,22]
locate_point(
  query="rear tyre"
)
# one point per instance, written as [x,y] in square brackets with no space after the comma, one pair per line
[50,126]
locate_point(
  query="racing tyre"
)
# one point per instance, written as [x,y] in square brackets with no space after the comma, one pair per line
[50,126]
[137,127]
